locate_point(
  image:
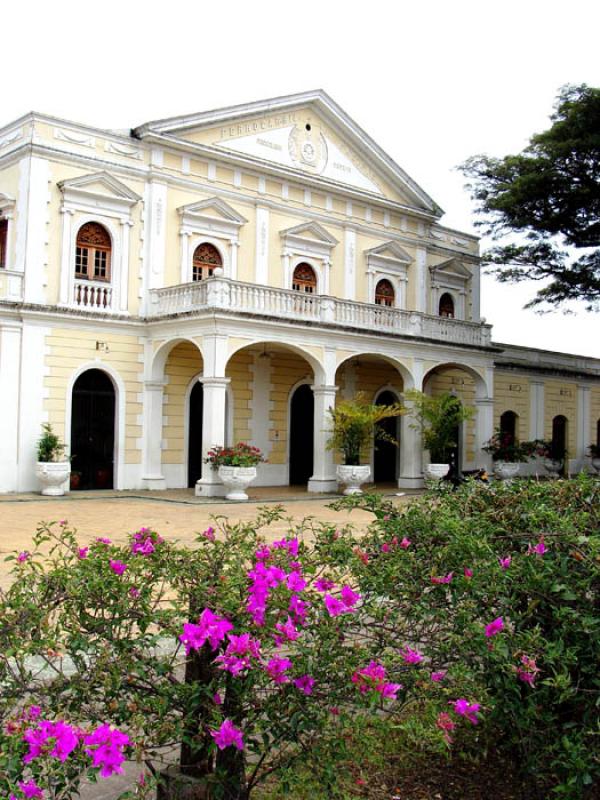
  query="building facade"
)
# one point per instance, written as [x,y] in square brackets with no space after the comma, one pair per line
[227,276]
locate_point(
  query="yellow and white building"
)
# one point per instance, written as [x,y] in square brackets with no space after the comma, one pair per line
[226,276]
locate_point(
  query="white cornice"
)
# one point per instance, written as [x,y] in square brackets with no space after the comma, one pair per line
[203,208]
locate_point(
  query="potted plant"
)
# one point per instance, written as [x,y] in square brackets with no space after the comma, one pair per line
[354,429]
[553,457]
[438,417]
[507,453]
[236,467]
[594,451]
[52,468]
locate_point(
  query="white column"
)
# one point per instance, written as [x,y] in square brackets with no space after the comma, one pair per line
[123,288]
[184,271]
[323,478]
[476,293]
[262,246]
[235,246]
[152,477]
[411,451]
[421,281]
[350,264]
[213,433]
[484,429]
[10,356]
[156,234]
[583,427]
[36,254]
[536,409]
[67,263]
[326,275]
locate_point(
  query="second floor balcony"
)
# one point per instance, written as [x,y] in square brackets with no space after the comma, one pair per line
[223,294]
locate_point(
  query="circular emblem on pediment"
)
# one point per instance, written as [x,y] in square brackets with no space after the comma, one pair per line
[308,148]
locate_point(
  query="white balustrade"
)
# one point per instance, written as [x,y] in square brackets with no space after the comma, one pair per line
[283,303]
[92,295]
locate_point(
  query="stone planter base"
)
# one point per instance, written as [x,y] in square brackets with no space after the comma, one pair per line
[236,481]
[553,467]
[53,476]
[506,470]
[176,786]
[435,472]
[596,464]
[353,476]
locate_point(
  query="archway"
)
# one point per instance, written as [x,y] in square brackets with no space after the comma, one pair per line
[301,435]
[559,440]
[385,459]
[93,429]
[195,434]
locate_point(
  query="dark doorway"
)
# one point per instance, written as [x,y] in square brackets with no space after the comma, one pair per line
[508,427]
[93,430]
[559,440]
[386,454]
[301,435]
[195,434]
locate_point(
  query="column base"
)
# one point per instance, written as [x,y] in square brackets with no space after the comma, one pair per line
[411,483]
[156,482]
[209,488]
[317,485]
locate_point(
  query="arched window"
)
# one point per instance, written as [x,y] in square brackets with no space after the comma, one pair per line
[92,253]
[3,241]
[206,260]
[446,306]
[508,427]
[384,293]
[304,279]
[559,437]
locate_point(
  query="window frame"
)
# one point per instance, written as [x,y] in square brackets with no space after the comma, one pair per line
[379,296]
[94,253]
[301,282]
[205,265]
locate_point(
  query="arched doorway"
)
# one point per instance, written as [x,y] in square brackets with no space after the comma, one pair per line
[559,440]
[93,430]
[508,427]
[195,434]
[301,435]
[385,462]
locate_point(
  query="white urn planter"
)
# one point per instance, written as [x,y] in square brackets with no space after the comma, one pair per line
[553,466]
[353,476]
[596,464]
[506,470]
[435,472]
[53,476]
[236,481]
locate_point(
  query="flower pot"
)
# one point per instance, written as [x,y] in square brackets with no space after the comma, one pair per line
[506,470]
[75,480]
[53,475]
[353,476]
[236,480]
[435,472]
[174,785]
[553,466]
[596,464]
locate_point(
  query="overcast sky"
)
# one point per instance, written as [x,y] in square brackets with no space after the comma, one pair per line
[432,83]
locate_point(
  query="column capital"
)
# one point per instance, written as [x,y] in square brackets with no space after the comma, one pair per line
[484,401]
[324,389]
[155,385]
[214,381]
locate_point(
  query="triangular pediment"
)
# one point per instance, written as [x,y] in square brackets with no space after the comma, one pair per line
[311,231]
[214,208]
[452,267]
[307,133]
[391,251]
[99,184]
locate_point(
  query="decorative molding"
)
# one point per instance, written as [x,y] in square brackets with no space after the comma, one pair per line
[11,138]
[124,150]
[98,190]
[74,138]
[309,238]
[212,216]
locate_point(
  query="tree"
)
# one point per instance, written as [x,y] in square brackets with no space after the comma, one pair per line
[549,196]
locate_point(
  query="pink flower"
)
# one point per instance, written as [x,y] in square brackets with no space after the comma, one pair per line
[373,678]
[288,629]
[209,534]
[528,672]
[62,522]
[505,562]
[298,608]
[277,667]
[142,544]
[465,709]
[436,677]
[446,579]
[30,789]
[24,556]
[217,699]
[385,548]
[103,540]
[349,598]
[468,573]
[134,592]
[82,553]
[228,735]
[411,656]
[305,684]
[444,723]
[295,582]
[210,627]
[323,585]
[390,690]
[539,549]
[364,557]
[105,746]
[494,627]
[405,543]
[118,567]
[263,553]
[291,545]
[61,737]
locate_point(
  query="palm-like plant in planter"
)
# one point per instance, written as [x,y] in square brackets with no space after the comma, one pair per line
[354,430]
[53,467]
[438,417]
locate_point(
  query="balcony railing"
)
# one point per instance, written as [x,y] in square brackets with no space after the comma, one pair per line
[225,294]
[92,295]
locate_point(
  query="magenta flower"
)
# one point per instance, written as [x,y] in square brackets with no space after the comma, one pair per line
[323,585]
[349,597]
[291,545]
[445,579]
[103,540]
[505,562]
[465,709]
[263,553]
[373,678]
[218,700]
[59,736]
[334,606]
[385,548]
[24,556]
[210,628]
[305,684]
[468,573]
[288,629]
[528,671]
[209,534]
[436,677]
[62,522]
[228,735]
[538,549]
[134,592]
[105,746]
[445,724]
[118,567]
[142,546]
[494,627]
[30,790]
[405,543]
[390,690]
[299,609]
[411,656]
[295,582]
[277,667]
[82,553]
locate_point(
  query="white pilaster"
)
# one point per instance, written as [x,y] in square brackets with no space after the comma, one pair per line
[350,264]
[184,266]
[421,280]
[156,233]
[476,293]
[583,426]
[484,429]
[126,225]
[213,433]
[152,475]
[536,409]
[67,262]
[235,246]
[10,357]
[323,478]
[37,232]
[32,396]
[262,246]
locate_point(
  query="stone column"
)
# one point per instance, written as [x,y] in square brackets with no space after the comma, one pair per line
[411,451]
[152,476]
[484,429]
[10,358]
[213,433]
[583,427]
[323,478]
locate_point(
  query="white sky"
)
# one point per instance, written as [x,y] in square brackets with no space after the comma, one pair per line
[431,82]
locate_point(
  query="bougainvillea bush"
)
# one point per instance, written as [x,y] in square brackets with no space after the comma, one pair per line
[467,617]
